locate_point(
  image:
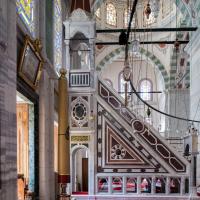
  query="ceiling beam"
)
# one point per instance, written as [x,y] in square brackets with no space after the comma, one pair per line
[144,42]
[145,30]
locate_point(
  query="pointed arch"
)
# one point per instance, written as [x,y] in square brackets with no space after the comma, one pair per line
[112,55]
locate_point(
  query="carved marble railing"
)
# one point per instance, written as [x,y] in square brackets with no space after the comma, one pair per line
[144,131]
[79,79]
[142,184]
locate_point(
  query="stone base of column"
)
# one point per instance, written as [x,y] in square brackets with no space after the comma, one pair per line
[64,187]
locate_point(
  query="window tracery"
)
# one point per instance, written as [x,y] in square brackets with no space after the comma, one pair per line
[111,14]
[25,9]
[127,13]
[57,35]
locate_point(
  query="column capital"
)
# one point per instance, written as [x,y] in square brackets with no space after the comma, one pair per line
[63,73]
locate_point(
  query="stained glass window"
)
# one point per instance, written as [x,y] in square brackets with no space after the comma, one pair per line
[111,15]
[25,9]
[57,35]
[98,13]
[127,18]
[145,89]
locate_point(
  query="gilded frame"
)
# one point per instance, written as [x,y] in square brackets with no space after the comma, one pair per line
[31,62]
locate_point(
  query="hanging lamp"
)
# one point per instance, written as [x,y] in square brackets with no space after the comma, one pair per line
[147,10]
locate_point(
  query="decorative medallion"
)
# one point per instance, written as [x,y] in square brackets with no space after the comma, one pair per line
[118,152]
[79,112]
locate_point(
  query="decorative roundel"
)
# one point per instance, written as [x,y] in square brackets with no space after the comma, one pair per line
[79,111]
[118,152]
[138,126]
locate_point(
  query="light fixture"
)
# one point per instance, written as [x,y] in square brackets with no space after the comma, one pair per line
[147,10]
[126,71]
[135,46]
[148,112]
[123,38]
[177,45]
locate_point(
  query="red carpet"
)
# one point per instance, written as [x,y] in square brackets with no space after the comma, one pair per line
[80,193]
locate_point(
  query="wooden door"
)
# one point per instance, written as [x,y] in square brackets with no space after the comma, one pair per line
[85,174]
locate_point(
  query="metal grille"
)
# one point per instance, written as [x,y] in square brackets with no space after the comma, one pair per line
[79,79]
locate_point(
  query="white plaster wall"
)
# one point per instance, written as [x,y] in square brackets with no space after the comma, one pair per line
[142,69]
[194,51]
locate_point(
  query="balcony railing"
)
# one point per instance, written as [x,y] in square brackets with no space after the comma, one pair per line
[79,79]
[143,184]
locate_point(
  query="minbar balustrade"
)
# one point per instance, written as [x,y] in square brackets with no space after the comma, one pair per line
[143,184]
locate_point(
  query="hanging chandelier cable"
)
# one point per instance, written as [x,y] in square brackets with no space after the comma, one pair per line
[161,112]
[131,83]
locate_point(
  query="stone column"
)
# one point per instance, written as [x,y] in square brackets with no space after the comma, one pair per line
[193,50]
[8,136]
[139,185]
[63,139]
[67,55]
[153,181]
[167,186]
[46,150]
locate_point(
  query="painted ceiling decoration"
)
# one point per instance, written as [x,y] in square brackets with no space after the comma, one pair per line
[118,51]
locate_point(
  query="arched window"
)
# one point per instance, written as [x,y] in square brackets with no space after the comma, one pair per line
[127,18]
[57,35]
[111,14]
[145,87]
[122,86]
[98,13]
[26,11]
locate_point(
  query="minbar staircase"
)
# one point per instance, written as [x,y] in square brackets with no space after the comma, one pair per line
[133,160]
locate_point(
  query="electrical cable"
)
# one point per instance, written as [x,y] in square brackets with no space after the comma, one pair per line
[133,88]
[166,114]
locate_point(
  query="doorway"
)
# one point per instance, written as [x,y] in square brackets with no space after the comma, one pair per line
[80,171]
[25,147]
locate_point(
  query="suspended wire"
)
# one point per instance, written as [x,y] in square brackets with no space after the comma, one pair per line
[132,87]
[137,94]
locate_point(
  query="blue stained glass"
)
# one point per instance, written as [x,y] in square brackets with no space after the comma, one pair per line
[25,9]
[57,35]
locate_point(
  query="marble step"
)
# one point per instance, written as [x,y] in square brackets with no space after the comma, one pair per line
[87,197]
